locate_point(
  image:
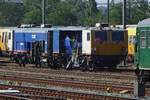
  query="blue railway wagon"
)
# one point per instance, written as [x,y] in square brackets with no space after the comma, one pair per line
[24,37]
[56,44]
[59,35]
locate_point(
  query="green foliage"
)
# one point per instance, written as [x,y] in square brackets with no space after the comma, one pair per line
[70,12]
[136,10]
[32,12]
[10,14]
[62,15]
[58,12]
[139,11]
[91,20]
[116,14]
[86,12]
[92,14]
[32,17]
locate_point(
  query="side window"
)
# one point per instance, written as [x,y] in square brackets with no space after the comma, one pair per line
[6,37]
[3,36]
[134,39]
[131,39]
[9,35]
[88,36]
[118,36]
[143,39]
[148,43]
[100,36]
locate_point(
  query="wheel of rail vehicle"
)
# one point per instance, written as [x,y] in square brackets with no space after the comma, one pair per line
[84,64]
[91,66]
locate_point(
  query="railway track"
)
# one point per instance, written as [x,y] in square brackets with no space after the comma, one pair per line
[86,76]
[68,94]
[12,97]
[32,77]
[20,77]
[20,96]
[103,81]
[114,87]
[93,79]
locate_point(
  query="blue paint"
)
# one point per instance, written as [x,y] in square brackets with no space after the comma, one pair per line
[56,41]
[23,40]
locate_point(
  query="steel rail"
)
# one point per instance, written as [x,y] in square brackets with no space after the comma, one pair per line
[68,95]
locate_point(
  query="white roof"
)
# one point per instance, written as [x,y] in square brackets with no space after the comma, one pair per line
[31,30]
[105,28]
[69,28]
[44,30]
[145,22]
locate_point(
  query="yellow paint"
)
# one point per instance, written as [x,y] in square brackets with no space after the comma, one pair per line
[4,42]
[131,45]
[109,47]
[131,48]
[131,31]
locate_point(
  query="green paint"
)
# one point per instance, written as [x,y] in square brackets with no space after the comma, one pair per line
[143,52]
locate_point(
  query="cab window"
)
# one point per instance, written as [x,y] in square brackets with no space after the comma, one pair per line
[100,36]
[6,37]
[143,39]
[88,36]
[117,36]
[132,39]
[3,36]
[9,35]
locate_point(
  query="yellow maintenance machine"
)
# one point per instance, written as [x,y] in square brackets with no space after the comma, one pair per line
[131,43]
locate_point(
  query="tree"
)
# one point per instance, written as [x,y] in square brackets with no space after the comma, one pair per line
[11,14]
[74,12]
[86,11]
[71,12]
[92,14]
[32,17]
[58,12]
[32,12]
[139,10]
[62,15]
[136,10]
[116,14]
